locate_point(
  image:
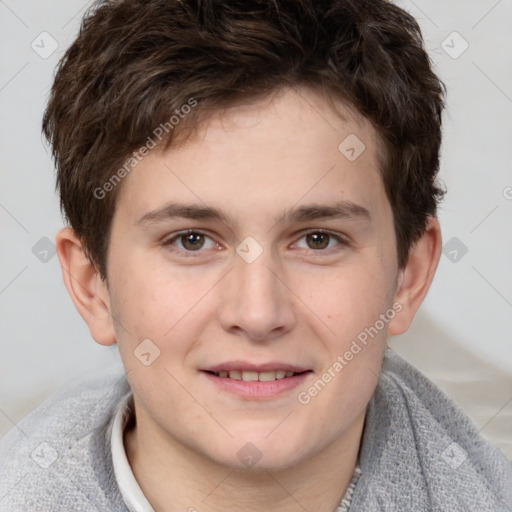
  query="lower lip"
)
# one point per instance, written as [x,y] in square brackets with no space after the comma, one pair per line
[257,389]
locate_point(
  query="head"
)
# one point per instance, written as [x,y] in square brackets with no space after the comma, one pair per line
[248,183]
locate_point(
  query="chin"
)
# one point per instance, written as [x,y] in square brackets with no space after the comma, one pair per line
[258,452]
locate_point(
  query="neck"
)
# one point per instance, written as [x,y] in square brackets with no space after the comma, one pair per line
[176,478]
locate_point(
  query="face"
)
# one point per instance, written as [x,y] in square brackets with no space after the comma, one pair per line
[259,248]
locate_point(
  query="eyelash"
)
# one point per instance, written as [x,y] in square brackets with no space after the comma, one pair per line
[169,242]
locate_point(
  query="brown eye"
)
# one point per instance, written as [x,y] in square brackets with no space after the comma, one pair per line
[317,240]
[192,241]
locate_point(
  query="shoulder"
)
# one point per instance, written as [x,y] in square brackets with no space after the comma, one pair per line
[58,457]
[421,452]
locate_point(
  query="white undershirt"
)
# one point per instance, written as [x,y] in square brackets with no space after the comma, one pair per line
[130,490]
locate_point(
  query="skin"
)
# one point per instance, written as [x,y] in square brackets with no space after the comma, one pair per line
[296,303]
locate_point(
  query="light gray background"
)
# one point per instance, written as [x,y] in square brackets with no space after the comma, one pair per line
[462,336]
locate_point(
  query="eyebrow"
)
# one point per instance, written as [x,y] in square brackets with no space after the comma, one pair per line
[184,211]
[339,210]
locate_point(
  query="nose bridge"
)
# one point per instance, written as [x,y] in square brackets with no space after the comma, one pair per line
[257,282]
[257,303]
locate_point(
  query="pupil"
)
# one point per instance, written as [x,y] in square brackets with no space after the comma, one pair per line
[318,240]
[193,241]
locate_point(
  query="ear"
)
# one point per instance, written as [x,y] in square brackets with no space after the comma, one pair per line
[415,278]
[88,291]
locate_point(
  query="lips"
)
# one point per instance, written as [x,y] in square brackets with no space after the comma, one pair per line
[260,384]
[253,373]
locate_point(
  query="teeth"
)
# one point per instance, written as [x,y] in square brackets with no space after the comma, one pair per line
[251,376]
[267,376]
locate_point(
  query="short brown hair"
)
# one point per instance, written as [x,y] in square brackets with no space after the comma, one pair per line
[135,62]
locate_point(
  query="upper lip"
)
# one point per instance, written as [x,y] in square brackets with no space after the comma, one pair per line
[251,367]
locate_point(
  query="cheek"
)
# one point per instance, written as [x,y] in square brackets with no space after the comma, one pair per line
[351,299]
[168,306]
[156,295]
[355,343]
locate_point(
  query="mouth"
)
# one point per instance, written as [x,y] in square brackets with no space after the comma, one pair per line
[254,382]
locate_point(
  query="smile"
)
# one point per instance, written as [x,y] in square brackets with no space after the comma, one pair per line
[252,376]
[262,384]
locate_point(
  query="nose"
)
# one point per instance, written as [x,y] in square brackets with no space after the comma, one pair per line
[256,303]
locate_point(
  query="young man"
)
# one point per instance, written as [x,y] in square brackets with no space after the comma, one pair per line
[251,197]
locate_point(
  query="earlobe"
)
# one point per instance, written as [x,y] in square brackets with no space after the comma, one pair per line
[87,290]
[416,277]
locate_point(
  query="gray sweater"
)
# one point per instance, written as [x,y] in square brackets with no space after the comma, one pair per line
[419,452]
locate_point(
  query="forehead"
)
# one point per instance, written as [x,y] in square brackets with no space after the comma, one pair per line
[263,158]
